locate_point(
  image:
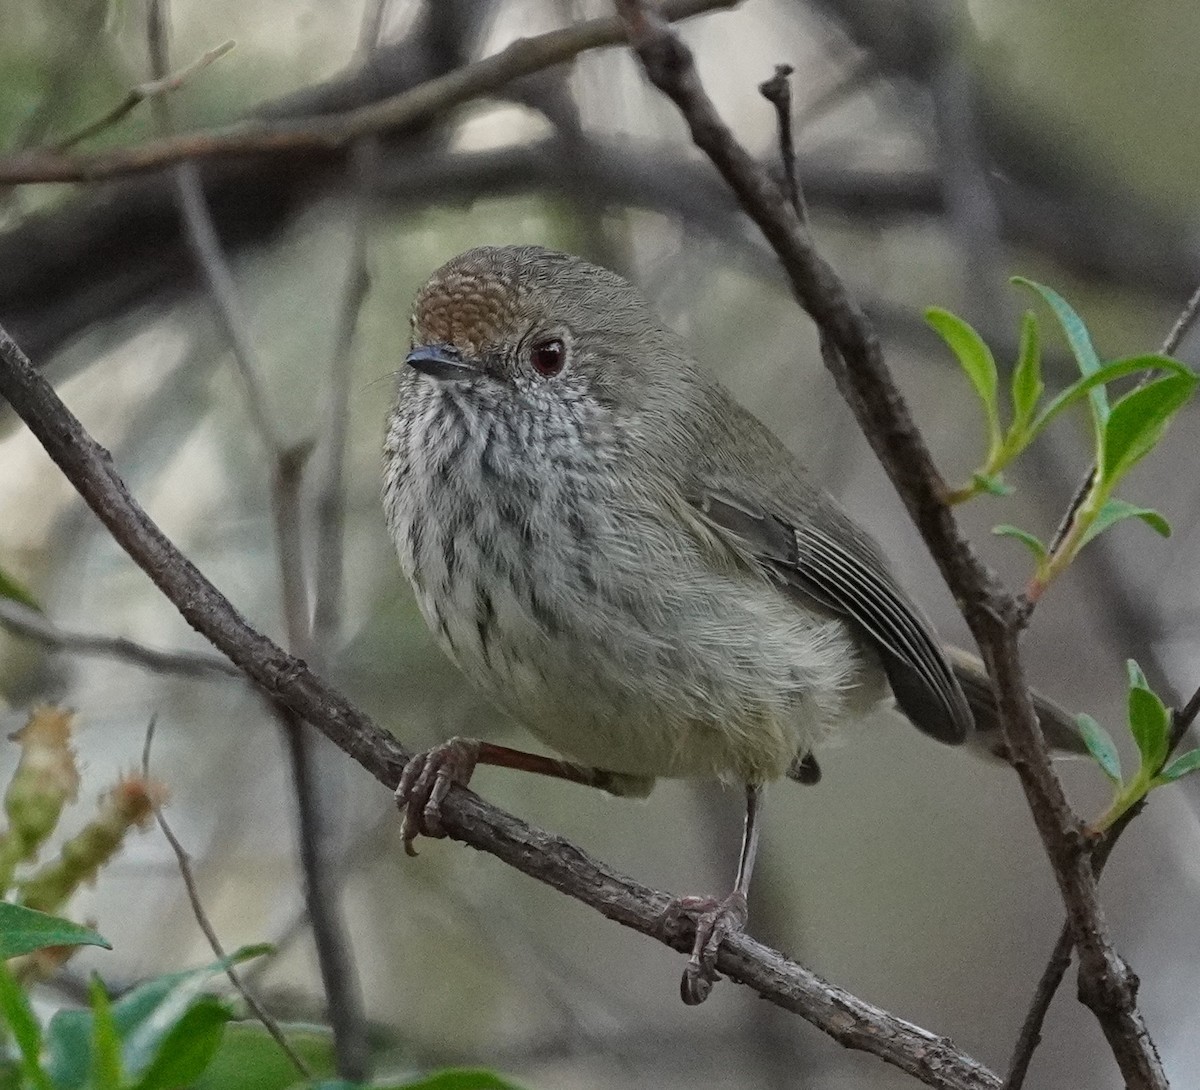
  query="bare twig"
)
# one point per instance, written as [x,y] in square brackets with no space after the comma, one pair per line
[1107,985]
[205,924]
[21,620]
[521,58]
[330,488]
[855,1023]
[143,91]
[334,953]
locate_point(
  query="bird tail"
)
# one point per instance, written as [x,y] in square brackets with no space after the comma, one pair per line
[1058,724]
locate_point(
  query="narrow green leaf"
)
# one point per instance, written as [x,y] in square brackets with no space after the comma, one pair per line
[1134,675]
[1108,373]
[1181,766]
[976,360]
[1150,724]
[1100,745]
[188,1047]
[14,591]
[1027,384]
[1115,511]
[18,1016]
[1079,340]
[106,1042]
[1023,536]
[23,930]
[1138,420]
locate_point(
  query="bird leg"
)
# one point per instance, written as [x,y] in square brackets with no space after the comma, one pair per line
[428,777]
[717,919]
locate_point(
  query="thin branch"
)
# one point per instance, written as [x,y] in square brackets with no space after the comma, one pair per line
[205,924]
[330,487]
[1107,985]
[143,91]
[522,58]
[552,860]
[334,953]
[21,620]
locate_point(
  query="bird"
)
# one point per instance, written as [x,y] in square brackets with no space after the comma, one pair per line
[634,566]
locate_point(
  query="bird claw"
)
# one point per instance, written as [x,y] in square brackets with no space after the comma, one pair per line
[425,782]
[716,920]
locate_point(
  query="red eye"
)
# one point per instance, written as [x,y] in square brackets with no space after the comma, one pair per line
[548,356]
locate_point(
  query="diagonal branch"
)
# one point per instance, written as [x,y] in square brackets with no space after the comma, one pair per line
[550,859]
[1107,984]
[522,58]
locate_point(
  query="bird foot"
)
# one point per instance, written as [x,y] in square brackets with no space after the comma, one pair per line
[425,782]
[716,919]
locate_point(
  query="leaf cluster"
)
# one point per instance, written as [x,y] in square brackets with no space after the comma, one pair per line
[1150,726]
[1124,431]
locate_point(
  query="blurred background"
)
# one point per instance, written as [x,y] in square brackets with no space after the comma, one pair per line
[943,148]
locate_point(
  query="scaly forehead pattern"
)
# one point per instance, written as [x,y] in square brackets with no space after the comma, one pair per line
[481,297]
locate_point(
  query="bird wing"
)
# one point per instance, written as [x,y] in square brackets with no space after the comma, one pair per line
[852,583]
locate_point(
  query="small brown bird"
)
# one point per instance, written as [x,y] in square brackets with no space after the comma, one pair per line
[632,564]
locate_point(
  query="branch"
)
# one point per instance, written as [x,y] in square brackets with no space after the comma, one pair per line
[853,1022]
[522,58]
[139,94]
[205,924]
[21,620]
[1107,985]
[335,957]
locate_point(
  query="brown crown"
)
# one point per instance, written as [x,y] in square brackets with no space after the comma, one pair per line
[469,308]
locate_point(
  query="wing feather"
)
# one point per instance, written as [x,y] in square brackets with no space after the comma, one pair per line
[857,586]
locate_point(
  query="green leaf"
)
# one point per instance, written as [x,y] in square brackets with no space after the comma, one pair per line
[14,591]
[188,1047]
[249,1058]
[1181,766]
[1108,373]
[1134,675]
[1138,420]
[1150,723]
[1100,745]
[1027,384]
[18,1016]
[150,1012]
[1023,536]
[976,360]
[142,1019]
[69,1049]
[992,483]
[23,930]
[106,1042]
[1115,511]
[460,1079]
[1078,339]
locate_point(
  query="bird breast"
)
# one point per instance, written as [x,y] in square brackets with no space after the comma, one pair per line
[593,614]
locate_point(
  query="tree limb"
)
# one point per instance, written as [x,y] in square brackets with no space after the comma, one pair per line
[1107,984]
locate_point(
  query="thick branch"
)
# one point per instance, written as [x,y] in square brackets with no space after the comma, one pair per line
[466,817]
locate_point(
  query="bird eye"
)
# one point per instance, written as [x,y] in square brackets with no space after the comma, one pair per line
[548,357]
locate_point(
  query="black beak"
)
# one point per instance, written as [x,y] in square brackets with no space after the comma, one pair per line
[442,362]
